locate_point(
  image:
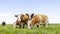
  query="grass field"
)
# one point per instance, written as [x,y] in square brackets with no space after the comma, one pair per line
[51,29]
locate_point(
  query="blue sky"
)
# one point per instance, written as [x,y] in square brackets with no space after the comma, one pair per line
[8,8]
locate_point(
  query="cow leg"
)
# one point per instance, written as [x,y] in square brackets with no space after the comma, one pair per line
[23,25]
[46,23]
[14,25]
[38,25]
[26,24]
[20,26]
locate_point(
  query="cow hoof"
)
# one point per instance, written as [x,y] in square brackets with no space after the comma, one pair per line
[29,28]
[19,27]
[22,27]
[14,27]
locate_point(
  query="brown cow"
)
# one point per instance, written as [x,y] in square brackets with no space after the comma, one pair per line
[24,19]
[21,20]
[37,20]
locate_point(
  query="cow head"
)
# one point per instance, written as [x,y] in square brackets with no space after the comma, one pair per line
[18,17]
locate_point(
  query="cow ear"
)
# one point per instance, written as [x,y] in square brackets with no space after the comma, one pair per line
[16,15]
[27,14]
[32,15]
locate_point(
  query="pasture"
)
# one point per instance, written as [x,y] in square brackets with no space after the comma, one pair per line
[51,29]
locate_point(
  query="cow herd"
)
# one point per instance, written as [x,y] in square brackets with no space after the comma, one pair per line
[30,20]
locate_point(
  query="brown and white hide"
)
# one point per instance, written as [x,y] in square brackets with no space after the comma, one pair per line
[21,20]
[37,20]
[24,19]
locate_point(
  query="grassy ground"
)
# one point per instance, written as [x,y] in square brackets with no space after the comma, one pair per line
[51,29]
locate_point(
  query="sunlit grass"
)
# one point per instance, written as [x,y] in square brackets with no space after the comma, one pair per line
[51,29]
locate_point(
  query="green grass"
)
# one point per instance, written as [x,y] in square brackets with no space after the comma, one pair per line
[51,29]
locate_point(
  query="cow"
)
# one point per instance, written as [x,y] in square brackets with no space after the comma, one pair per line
[21,20]
[37,20]
[24,19]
